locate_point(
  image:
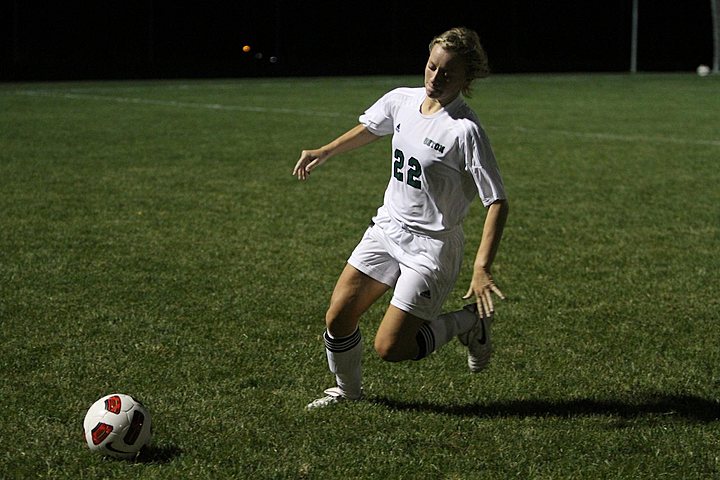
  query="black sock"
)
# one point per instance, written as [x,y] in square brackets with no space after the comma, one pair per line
[426,341]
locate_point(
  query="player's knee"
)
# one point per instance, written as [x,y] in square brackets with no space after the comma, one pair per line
[389,351]
[339,324]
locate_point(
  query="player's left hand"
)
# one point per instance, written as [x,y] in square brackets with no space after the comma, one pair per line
[482,287]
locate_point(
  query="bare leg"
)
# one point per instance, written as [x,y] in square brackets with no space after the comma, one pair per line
[354,293]
[395,340]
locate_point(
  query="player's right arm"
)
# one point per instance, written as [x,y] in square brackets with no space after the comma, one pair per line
[311,159]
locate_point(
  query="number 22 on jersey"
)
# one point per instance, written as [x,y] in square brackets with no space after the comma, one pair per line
[412,175]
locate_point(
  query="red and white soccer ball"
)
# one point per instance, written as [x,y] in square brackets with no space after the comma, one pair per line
[117,425]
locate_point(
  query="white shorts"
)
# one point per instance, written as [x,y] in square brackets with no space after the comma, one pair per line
[422,270]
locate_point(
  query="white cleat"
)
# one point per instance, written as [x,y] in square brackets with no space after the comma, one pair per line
[478,341]
[332,396]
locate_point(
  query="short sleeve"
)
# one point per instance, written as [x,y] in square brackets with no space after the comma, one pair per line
[481,163]
[378,119]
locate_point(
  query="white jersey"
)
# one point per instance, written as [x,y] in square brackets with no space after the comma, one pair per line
[440,162]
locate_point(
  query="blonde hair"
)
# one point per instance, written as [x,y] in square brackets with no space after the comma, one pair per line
[466,43]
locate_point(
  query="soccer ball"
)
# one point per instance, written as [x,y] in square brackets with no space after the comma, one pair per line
[117,425]
[703,70]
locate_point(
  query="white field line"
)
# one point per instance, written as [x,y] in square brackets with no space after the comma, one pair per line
[176,104]
[315,113]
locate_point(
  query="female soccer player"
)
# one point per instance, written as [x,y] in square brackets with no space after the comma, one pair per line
[441,160]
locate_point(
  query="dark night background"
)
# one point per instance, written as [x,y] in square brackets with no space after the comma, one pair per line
[117,39]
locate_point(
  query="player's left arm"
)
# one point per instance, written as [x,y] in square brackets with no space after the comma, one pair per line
[482,285]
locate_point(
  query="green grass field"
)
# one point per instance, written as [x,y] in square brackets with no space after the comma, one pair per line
[153,242]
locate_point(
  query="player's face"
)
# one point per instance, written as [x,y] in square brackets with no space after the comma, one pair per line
[444,75]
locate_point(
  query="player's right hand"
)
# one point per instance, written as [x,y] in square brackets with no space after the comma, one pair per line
[308,161]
